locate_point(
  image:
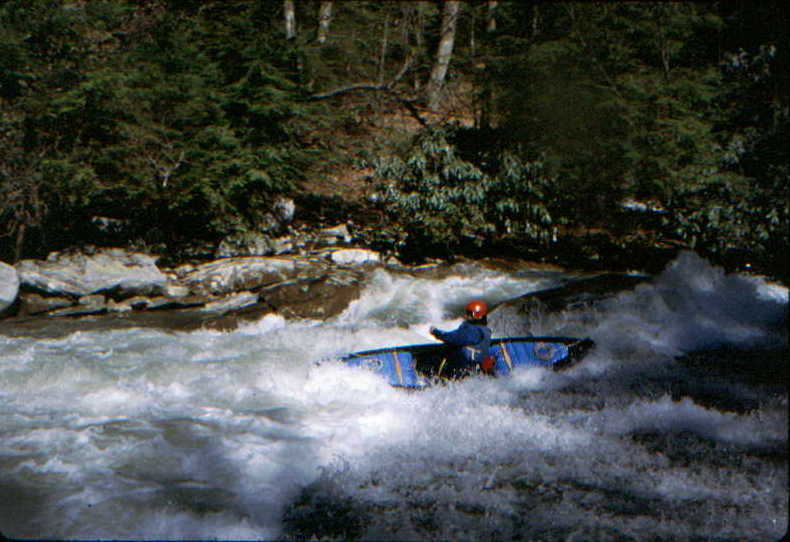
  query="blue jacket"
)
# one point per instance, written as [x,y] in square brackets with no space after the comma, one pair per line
[472,340]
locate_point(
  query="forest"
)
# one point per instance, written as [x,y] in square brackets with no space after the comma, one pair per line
[455,128]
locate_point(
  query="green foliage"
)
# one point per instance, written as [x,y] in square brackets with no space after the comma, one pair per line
[633,100]
[444,202]
[188,118]
[741,205]
[187,122]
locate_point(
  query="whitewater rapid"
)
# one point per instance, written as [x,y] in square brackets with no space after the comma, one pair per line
[153,434]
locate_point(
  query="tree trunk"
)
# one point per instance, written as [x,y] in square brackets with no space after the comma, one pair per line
[324,18]
[384,46]
[20,242]
[485,97]
[419,26]
[290,19]
[445,52]
[491,26]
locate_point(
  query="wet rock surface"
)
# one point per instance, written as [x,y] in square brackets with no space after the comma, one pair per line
[9,286]
[76,274]
[127,288]
[574,295]
[577,293]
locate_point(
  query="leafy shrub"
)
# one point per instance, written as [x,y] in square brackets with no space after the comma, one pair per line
[442,202]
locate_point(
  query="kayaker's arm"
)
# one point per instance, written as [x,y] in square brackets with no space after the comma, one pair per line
[465,335]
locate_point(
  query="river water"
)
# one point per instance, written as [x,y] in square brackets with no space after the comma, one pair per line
[149,433]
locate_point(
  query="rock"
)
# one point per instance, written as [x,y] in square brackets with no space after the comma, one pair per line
[315,298]
[245,244]
[9,286]
[115,271]
[232,302]
[164,303]
[514,317]
[354,256]
[119,306]
[284,209]
[334,235]
[174,290]
[140,303]
[239,274]
[137,303]
[88,304]
[32,303]
[284,245]
[94,300]
[276,221]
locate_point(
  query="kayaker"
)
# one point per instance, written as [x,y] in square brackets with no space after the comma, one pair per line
[468,345]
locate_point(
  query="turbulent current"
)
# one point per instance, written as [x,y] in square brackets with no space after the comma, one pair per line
[149,433]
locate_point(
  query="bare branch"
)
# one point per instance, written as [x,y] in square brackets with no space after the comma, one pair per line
[407,63]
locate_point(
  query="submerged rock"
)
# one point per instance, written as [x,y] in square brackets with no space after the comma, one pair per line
[316,298]
[577,293]
[519,316]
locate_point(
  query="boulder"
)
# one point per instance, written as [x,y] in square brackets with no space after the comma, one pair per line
[581,292]
[32,303]
[516,316]
[87,305]
[245,244]
[334,235]
[315,298]
[284,210]
[139,303]
[9,286]
[277,220]
[175,290]
[354,256]
[239,274]
[115,271]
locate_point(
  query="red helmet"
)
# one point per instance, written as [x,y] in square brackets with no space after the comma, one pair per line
[477,309]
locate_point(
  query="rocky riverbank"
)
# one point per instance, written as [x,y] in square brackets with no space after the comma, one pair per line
[312,275]
[305,274]
[317,284]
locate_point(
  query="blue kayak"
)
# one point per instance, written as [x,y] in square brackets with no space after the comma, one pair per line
[420,365]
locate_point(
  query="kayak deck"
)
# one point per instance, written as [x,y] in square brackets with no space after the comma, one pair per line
[416,366]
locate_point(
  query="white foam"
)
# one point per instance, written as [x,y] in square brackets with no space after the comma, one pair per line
[691,306]
[666,416]
[121,420]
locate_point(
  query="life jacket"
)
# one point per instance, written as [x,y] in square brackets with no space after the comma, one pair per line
[477,353]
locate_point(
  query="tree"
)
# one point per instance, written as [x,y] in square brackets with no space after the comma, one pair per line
[491,24]
[21,191]
[170,116]
[289,12]
[739,208]
[324,19]
[444,52]
[42,51]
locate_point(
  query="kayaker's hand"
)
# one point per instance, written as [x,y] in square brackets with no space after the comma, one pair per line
[434,331]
